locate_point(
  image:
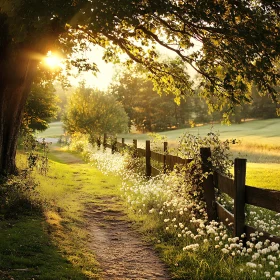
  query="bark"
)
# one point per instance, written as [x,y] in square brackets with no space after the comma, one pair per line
[17,70]
[15,86]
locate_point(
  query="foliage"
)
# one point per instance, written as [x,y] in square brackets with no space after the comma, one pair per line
[238,42]
[41,107]
[94,113]
[189,147]
[147,110]
[62,95]
[18,196]
[37,153]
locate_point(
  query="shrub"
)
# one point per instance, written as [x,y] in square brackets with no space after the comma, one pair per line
[18,196]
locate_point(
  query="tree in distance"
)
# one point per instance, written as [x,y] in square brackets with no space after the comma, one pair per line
[147,110]
[94,113]
[41,107]
[239,44]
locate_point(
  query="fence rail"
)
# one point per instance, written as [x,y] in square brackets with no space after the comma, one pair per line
[235,187]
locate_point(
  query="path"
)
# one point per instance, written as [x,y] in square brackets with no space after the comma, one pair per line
[119,249]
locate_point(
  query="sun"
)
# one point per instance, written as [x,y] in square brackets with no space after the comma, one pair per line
[52,60]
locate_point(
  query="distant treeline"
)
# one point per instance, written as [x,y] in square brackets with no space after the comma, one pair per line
[148,111]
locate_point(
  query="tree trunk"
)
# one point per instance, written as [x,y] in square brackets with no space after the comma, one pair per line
[16,74]
[18,64]
[15,84]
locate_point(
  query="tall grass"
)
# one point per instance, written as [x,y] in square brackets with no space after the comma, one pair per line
[51,242]
[178,226]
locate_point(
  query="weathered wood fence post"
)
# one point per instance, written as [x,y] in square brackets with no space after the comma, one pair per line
[105,141]
[165,151]
[208,185]
[134,153]
[122,146]
[98,141]
[114,144]
[148,159]
[239,199]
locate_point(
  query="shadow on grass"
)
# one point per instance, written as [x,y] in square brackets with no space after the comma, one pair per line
[27,252]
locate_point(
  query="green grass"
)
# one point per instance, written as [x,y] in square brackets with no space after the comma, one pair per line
[28,253]
[263,175]
[265,132]
[54,245]
[54,131]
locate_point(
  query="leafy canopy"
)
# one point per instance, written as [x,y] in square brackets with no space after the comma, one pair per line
[239,40]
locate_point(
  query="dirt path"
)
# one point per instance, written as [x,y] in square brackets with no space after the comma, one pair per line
[119,249]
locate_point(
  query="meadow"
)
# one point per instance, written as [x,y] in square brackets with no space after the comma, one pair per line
[161,209]
[258,141]
[173,217]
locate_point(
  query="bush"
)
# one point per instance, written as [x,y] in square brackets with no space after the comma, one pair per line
[18,196]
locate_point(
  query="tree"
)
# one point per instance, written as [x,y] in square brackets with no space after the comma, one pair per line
[41,107]
[147,110]
[28,30]
[262,106]
[239,40]
[62,95]
[241,37]
[94,113]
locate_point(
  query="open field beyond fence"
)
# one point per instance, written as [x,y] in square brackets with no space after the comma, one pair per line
[235,187]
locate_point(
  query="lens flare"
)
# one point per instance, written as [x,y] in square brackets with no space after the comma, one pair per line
[52,60]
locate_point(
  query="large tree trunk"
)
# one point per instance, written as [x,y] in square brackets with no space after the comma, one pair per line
[18,64]
[15,84]
[17,69]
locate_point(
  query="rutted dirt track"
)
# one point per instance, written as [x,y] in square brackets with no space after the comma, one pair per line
[119,249]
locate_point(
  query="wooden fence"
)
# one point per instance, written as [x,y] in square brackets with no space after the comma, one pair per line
[162,161]
[235,187]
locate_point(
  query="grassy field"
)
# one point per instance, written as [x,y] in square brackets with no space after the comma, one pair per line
[259,144]
[262,132]
[54,131]
[53,244]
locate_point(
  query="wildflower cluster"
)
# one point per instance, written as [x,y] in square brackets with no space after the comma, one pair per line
[172,201]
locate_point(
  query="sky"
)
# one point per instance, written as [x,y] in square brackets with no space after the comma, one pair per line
[103,78]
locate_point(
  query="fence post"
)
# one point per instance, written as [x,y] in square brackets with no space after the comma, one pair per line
[165,151]
[98,142]
[134,148]
[105,141]
[208,185]
[114,144]
[239,200]
[122,146]
[148,159]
